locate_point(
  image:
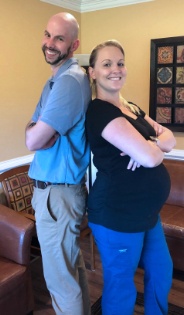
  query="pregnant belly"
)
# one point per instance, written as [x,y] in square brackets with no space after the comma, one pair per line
[130,191]
[146,187]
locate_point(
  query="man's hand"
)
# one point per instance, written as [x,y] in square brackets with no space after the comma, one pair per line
[52,140]
[40,136]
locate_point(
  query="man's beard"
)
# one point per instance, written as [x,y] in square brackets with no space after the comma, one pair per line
[59,58]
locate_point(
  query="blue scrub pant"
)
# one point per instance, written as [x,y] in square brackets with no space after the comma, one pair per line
[121,254]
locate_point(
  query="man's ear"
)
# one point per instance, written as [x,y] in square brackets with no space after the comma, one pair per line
[92,73]
[75,45]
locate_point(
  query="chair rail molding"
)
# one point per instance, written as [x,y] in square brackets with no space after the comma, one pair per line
[5,165]
[88,5]
[27,159]
[175,155]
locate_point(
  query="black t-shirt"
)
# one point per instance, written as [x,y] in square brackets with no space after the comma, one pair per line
[121,199]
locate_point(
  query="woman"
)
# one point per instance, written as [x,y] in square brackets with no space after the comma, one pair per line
[130,188]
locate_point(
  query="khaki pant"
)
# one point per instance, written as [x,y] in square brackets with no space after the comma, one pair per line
[59,210]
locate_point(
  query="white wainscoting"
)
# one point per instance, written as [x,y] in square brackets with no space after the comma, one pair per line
[5,165]
[175,155]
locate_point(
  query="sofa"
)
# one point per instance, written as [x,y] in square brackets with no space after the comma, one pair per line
[172,213]
[16,294]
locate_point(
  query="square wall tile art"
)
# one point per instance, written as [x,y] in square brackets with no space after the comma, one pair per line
[167,82]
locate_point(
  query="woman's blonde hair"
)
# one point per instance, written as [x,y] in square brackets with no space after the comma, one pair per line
[132,107]
[92,61]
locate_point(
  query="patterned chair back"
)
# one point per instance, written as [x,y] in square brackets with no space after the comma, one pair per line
[18,189]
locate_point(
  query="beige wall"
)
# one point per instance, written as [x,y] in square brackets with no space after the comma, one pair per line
[134,26]
[24,71]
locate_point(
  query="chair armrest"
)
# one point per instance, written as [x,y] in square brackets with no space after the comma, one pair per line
[15,236]
[28,216]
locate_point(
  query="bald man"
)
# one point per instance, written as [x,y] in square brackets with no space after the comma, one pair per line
[57,135]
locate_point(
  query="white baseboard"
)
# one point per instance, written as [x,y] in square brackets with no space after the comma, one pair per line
[174,154]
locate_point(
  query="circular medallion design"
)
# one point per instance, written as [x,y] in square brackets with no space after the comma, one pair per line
[164,75]
[165,54]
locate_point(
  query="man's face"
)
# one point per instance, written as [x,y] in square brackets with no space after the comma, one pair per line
[57,42]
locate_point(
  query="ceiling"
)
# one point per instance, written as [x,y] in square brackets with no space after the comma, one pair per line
[88,5]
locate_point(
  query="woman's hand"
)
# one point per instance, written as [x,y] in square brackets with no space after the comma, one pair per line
[132,165]
[158,128]
[166,140]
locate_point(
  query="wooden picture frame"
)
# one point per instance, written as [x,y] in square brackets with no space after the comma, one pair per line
[167,82]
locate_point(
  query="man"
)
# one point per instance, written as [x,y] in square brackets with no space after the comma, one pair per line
[56,132]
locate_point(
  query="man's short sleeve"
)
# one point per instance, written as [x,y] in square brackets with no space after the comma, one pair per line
[64,105]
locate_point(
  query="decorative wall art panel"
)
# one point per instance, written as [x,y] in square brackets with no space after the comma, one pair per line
[167,82]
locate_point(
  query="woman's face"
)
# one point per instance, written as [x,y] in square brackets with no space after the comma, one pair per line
[109,70]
